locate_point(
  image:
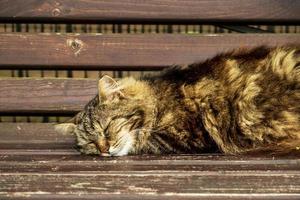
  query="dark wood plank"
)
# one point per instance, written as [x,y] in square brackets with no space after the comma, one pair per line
[147,177]
[205,196]
[53,173]
[150,11]
[20,151]
[36,95]
[33,136]
[46,163]
[26,155]
[174,184]
[96,51]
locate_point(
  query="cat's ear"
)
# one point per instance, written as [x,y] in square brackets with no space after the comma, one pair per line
[108,89]
[65,128]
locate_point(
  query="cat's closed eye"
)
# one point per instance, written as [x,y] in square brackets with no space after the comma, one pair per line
[89,148]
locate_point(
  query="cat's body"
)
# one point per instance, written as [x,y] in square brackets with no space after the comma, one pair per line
[242,101]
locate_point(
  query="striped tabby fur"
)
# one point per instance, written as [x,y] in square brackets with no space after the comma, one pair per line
[239,102]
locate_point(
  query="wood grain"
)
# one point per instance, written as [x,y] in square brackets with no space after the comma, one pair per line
[38,95]
[205,196]
[51,172]
[33,136]
[174,183]
[64,163]
[148,177]
[153,11]
[119,51]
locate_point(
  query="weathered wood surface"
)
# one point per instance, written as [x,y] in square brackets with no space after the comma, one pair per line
[167,176]
[119,51]
[37,95]
[150,11]
[47,176]
[33,136]
[172,183]
[58,172]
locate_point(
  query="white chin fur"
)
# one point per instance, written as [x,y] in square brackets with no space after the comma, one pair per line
[127,145]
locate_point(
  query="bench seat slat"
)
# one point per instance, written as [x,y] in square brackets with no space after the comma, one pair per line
[52,173]
[87,164]
[173,183]
[150,11]
[119,51]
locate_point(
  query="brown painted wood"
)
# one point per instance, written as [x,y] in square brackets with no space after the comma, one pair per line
[37,95]
[48,163]
[150,11]
[18,142]
[210,196]
[25,155]
[33,136]
[52,173]
[96,51]
[174,183]
[157,178]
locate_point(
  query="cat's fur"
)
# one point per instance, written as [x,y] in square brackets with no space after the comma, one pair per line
[237,102]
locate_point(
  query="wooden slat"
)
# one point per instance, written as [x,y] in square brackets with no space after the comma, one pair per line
[150,11]
[33,173]
[148,177]
[33,136]
[96,51]
[175,183]
[17,161]
[205,196]
[36,95]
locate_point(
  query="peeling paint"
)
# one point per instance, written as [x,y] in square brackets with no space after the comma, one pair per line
[141,189]
[80,185]
[27,194]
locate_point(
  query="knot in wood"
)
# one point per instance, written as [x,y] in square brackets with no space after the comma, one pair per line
[56,12]
[75,44]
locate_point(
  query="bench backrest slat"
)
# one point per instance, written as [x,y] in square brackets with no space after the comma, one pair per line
[45,96]
[139,52]
[114,51]
[150,11]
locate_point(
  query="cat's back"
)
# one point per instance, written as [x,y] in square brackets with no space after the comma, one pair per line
[245,98]
[248,60]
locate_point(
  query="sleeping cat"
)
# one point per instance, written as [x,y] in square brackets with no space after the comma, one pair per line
[242,101]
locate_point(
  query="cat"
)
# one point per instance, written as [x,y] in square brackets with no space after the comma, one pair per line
[246,100]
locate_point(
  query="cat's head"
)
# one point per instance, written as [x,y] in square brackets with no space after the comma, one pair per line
[111,123]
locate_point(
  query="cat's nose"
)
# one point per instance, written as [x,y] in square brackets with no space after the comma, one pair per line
[104,154]
[103,147]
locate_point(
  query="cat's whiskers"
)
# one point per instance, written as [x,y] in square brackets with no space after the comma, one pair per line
[123,145]
[126,141]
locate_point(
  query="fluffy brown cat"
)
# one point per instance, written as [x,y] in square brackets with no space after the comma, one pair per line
[237,102]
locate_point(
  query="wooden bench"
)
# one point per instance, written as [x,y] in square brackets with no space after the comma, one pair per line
[38,163]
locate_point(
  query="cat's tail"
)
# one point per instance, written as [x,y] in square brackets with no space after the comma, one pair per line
[285,148]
